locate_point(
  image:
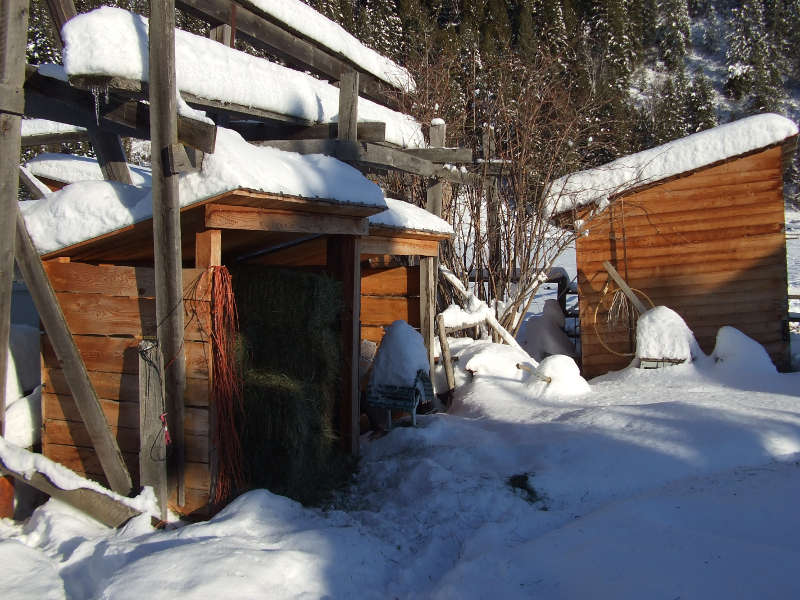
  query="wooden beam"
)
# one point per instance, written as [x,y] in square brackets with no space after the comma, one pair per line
[626,289]
[60,11]
[427,303]
[396,246]
[45,139]
[74,369]
[208,249]
[167,224]
[99,506]
[33,185]
[435,191]
[344,263]
[368,131]
[256,27]
[348,107]
[12,99]
[110,156]
[442,155]
[447,359]
[223,34]
[152,437]
[13,39]
[223,216]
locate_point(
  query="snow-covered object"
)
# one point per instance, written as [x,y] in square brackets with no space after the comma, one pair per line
[739,354]
[29,463]
[69,168]
[543,335]
[43,189]
[45,127]
[486,359]
[86,210]
[662,333]
[455,316]
[679,156]
[562,376]
[114,42]
[305,20]
[24,419]
[401,354]
[22,372]
[404,215]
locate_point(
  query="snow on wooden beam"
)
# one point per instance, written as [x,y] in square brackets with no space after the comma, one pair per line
[295,51]
[368,131]
[225,216]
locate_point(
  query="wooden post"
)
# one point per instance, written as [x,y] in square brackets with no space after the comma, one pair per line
[107,146]
[167,224]
[208,249]
[70,360]
[435,186]
[344,263]
[348,106]
[626,289]
[427,303]
[152,440]
[447,360]
[222,34]
[13,40]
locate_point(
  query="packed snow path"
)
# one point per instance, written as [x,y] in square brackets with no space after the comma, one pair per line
[657,484]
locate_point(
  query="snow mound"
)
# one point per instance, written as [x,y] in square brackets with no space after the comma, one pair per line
[739,354]
[662,333]
[564,375]
[404,215]
[455,316]
[485,359]
[401,354]
[68,168]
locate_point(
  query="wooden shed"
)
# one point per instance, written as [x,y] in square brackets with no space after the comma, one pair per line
[696,225]
[106,291]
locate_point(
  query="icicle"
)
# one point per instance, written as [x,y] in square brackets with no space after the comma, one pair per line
[96,91]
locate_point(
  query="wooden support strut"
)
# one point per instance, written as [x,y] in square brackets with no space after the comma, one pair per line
[438,133]
[427,304]
[152,435]
[70,359]
[167,225]
[348,106]
[626,289]
[447,359]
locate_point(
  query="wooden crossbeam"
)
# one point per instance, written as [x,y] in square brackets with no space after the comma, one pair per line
[225,216]
[442,155]
[371,131]
[45,139]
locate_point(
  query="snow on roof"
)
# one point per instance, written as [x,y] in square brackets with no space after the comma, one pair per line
[45,127]
[403,215]
[114,42]
[85,210]
[69,168]
[305,20]
[679,156]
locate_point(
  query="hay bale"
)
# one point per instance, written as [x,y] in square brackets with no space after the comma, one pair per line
[290,359]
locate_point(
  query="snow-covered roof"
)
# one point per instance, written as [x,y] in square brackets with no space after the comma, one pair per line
[68,168]
[403,215]
[31,127]
[670,159]
[88,209]
[114,42]
[305,20]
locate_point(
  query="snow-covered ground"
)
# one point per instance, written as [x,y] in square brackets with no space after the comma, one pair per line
[673,483]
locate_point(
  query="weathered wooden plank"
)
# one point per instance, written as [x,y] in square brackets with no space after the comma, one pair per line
[744,255]
[99,506]
[442,155]
[119,355]
[368,131]
[344,263]
[396,281]
[122,387]
[110,155]
[256,219]
[775,241]
[74,370]
[73,433]
[46,139]
[428,271]
[447,359]
[113,280]
[96,314]
[376,310]
[435,187]
[32,184]
[119,414]
[381,245]
[348,106]
[13,36]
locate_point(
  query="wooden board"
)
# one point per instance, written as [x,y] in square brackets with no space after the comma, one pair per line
[398,281]
[398,246]
[385,310]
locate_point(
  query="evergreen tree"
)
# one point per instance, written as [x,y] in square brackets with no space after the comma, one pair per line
[701,113]
[673,32]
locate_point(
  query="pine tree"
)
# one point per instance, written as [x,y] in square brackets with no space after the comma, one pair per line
[673,32]
[701,113]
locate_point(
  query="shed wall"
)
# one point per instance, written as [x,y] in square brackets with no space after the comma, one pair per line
[109,309]
[388,294]
[709,245]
